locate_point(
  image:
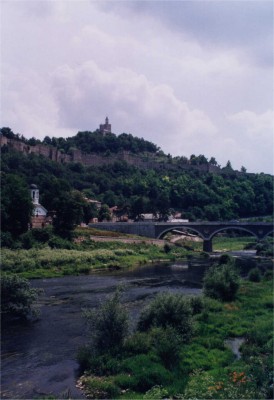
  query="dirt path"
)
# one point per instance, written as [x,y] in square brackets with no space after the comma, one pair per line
[158,242]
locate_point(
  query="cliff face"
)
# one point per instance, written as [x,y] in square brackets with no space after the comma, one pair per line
[97,160]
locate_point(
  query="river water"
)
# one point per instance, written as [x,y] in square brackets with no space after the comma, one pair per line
[39,358]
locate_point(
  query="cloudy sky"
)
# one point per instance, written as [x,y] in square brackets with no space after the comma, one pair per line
[194,77]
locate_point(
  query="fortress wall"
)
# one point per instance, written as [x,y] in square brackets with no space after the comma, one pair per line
[98,160]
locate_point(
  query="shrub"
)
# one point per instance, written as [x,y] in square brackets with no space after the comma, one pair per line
[57,242]
[17,297]
[225,259]
[167,248]
[6,239]
[221,282]
[137,343]
[168,310]
[157,392]
[108,325]
[101,365]
[196,304]
[254,275]
[166,344]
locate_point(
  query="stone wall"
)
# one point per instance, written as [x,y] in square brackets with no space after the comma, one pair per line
[98,160]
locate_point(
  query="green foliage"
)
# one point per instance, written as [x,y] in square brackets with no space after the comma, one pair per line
[199,195]
[166,343]
[69,213]
[137,343]
[168,310]
[108,325]
[147,372]
[221,282]
[98,364]
[156,392]
[16,205]
[104,213]
[265,247]
[17,297]
[255,275]
[100,388]
[203,385]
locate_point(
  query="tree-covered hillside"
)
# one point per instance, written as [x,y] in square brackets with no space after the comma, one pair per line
[195,194]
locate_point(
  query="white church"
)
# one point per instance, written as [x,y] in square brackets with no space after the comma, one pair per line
[39,215]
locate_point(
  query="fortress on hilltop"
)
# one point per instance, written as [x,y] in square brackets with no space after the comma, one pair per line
[105,128]
[144,161]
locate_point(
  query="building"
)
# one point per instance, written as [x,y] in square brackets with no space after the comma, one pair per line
[39,216]
[105,128]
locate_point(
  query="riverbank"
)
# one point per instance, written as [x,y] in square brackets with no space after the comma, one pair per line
[86,257]
[91,250]
[229,357]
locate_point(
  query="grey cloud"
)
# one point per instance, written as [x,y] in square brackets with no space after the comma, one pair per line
[241,24]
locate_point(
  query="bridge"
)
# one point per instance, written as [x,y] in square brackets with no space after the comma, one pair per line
[206,230]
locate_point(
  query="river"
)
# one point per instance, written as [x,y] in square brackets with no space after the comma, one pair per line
[39,358]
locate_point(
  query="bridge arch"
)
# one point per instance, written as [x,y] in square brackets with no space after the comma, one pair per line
[180,227]
[268,234]
[232,228]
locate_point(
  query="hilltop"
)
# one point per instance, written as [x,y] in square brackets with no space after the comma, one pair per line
[99,148]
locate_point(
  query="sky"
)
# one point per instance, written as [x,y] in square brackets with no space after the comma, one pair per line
[193,77]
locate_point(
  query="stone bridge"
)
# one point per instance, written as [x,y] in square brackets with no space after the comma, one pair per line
[206,230]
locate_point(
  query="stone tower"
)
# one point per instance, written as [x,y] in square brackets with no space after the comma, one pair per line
[106,127]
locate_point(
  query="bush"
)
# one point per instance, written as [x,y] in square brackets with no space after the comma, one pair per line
[57,242]
[17,297]
[221,282]
[166,343]
[167,248]
[101,365]
[108,325]
[137,343]
[157,392]
[196,304]
[6,239]
[168,310]
[254,275]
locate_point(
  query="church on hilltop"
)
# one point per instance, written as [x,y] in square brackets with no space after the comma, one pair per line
[105,128]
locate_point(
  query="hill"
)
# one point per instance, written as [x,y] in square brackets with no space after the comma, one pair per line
[96,149]
[160,185]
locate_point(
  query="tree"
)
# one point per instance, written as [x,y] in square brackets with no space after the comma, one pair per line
[104,213]
[108,325]
[221,282]
[16,205]
[90,211]
[213,161]
[17,297]
[69,212]
[168,310]
[228,165]
[137,207]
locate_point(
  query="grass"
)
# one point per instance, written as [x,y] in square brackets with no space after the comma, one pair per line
[85,257]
